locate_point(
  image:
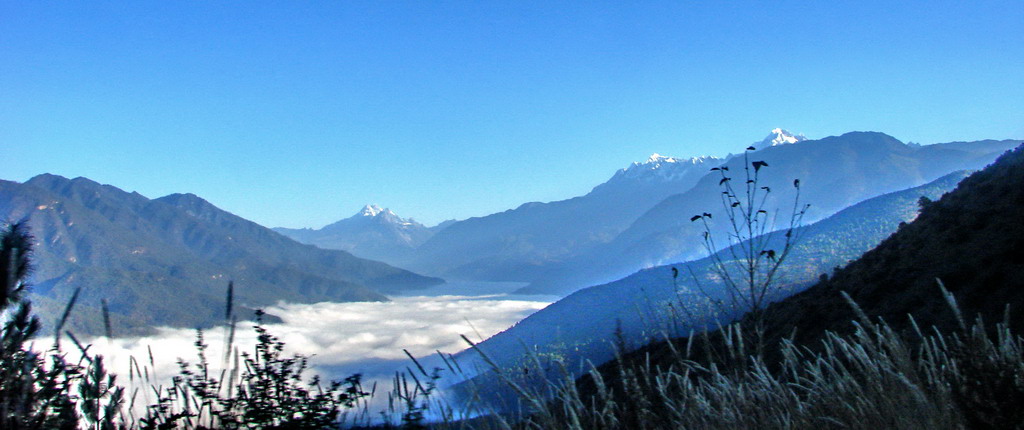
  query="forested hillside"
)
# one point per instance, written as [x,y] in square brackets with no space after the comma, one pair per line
[168,261]
[972,240]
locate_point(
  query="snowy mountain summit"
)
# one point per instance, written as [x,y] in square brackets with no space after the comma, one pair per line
[371,211]
[659,175]
[662,168]
[374,232]
[380,215]
[777,137]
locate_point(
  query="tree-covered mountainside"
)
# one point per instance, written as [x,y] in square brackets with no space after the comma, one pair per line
[972,240]
[646,303]
[168,261]
[834,172]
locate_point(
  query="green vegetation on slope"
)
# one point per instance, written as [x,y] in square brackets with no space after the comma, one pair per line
[972,239]
[47,390]
[165,261]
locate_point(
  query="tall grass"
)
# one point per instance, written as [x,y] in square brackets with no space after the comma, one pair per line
[873,378]
[876,377]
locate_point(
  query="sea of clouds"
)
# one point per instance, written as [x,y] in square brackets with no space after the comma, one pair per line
[341,338]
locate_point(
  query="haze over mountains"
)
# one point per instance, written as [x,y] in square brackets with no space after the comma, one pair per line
[374,232]
[519,244]
[834,172]
[639,217]
[168,261]
[641,304]
[516,244]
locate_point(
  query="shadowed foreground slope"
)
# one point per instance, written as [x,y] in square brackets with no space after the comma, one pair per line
[936,370]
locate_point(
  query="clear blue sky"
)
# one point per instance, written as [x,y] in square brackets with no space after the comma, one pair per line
[298,113]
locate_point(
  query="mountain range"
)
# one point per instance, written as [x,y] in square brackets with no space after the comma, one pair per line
[970,240]
[520,244]
[374,232]
[646,305]
[168,261]
[639,217]
[834,173]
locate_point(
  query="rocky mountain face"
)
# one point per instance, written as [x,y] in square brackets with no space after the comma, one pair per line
[168,261]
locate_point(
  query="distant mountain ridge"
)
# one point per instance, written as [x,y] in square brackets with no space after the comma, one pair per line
[522,243]
[657,168]
[639,304]
[167,261]
[519,244]
[778,137]
[636,219]
[374,232]
[835,172]
[970,239]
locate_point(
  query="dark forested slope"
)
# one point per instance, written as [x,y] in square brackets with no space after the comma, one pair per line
[972,239]
[167,261]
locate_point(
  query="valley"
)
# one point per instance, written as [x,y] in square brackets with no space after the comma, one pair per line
[523,215]
[101,250]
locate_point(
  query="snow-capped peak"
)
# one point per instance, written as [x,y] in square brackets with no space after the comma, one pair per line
[656,157]
[385,215]
[371,210]
[656,161]
[660,169]
[779,136]
[664,167]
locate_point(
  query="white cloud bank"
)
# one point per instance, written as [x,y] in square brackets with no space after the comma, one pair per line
[343,338]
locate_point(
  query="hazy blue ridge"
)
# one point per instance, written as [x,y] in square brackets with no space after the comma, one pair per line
[581,324]
[834,172]
[518,244]
[373,233]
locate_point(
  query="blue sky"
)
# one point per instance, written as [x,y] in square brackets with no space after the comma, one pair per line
[298,113]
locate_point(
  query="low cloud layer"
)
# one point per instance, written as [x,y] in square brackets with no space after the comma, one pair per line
[343,338]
